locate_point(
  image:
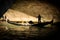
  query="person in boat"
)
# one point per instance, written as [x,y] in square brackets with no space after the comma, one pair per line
[31,22]
[40,24]
[39,19]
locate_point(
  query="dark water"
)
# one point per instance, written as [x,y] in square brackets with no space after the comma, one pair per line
[30,33]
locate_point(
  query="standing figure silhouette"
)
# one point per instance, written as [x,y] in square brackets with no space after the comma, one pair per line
[39,19]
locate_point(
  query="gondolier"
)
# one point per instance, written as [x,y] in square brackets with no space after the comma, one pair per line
[39,18]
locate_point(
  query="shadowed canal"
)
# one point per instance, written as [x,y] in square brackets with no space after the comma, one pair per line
[10,31]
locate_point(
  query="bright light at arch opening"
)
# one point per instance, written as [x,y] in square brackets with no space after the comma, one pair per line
[14,15]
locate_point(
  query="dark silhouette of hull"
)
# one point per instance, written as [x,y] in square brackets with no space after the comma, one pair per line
[43,24]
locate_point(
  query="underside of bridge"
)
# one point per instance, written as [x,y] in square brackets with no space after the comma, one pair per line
[28,10]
